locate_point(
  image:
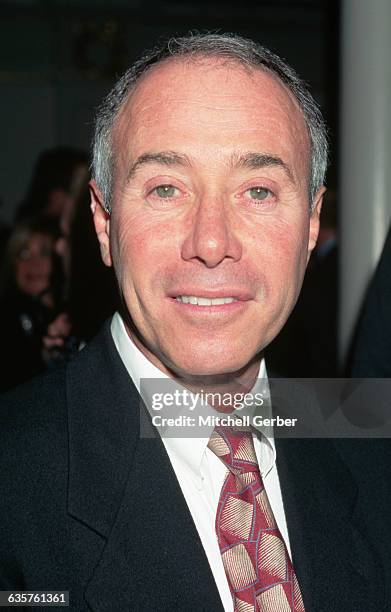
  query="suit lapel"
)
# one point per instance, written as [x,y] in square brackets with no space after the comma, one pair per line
[123,487]
[155,544]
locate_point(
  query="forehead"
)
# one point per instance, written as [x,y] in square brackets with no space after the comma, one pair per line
[211,106]
[37,241]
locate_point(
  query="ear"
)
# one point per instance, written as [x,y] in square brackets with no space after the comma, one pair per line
[315,221]
[102,223]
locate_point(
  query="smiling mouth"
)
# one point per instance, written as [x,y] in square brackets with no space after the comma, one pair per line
[204,301]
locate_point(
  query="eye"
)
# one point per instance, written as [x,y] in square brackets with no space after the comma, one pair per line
[166,191]
[258,198]
[24,254]
[165,195]
[259,193]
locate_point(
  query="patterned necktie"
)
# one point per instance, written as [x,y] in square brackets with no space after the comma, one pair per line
[257,564]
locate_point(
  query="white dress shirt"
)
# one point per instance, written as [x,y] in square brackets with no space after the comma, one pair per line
[199,471]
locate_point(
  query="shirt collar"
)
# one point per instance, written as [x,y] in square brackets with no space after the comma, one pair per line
[190,448]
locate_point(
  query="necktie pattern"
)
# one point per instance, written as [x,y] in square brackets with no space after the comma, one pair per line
[257,564]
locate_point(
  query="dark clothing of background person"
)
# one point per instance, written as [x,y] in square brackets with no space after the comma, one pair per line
[23,322]
[306,347]
[371,356]
[92,289]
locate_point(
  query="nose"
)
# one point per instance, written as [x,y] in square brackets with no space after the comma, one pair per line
[211,238]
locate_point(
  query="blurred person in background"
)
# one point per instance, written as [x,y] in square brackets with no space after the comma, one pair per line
[93,293]
[90,288]
[31,294]
[56,291]
[57,178]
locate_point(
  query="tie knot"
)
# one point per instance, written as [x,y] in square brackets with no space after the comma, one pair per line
[235,447]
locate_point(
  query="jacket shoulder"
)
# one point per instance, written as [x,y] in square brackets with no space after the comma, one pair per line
[35,403]
[33,430]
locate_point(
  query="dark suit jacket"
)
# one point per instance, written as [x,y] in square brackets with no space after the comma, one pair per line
[87,506]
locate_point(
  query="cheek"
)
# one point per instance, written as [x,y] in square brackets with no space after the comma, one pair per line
[289,248]
[139,248]
[46,267]
[25,269]
[19,269]
[279,250]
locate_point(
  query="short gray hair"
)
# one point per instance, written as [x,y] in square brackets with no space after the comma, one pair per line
[227,46]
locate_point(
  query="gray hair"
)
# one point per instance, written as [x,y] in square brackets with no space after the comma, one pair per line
[228,46]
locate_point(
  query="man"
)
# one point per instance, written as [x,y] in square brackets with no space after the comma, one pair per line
[209,159]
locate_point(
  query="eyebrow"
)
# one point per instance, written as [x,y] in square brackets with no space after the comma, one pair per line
[254,161]
[165,158]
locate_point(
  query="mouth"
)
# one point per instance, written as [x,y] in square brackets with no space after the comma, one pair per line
[197,300]
[218,302]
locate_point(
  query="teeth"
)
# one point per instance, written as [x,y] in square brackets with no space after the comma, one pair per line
[203,301]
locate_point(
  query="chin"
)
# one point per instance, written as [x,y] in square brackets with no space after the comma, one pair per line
[192,370]
[205,363]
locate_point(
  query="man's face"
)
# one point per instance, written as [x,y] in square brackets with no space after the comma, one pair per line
[210,232]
